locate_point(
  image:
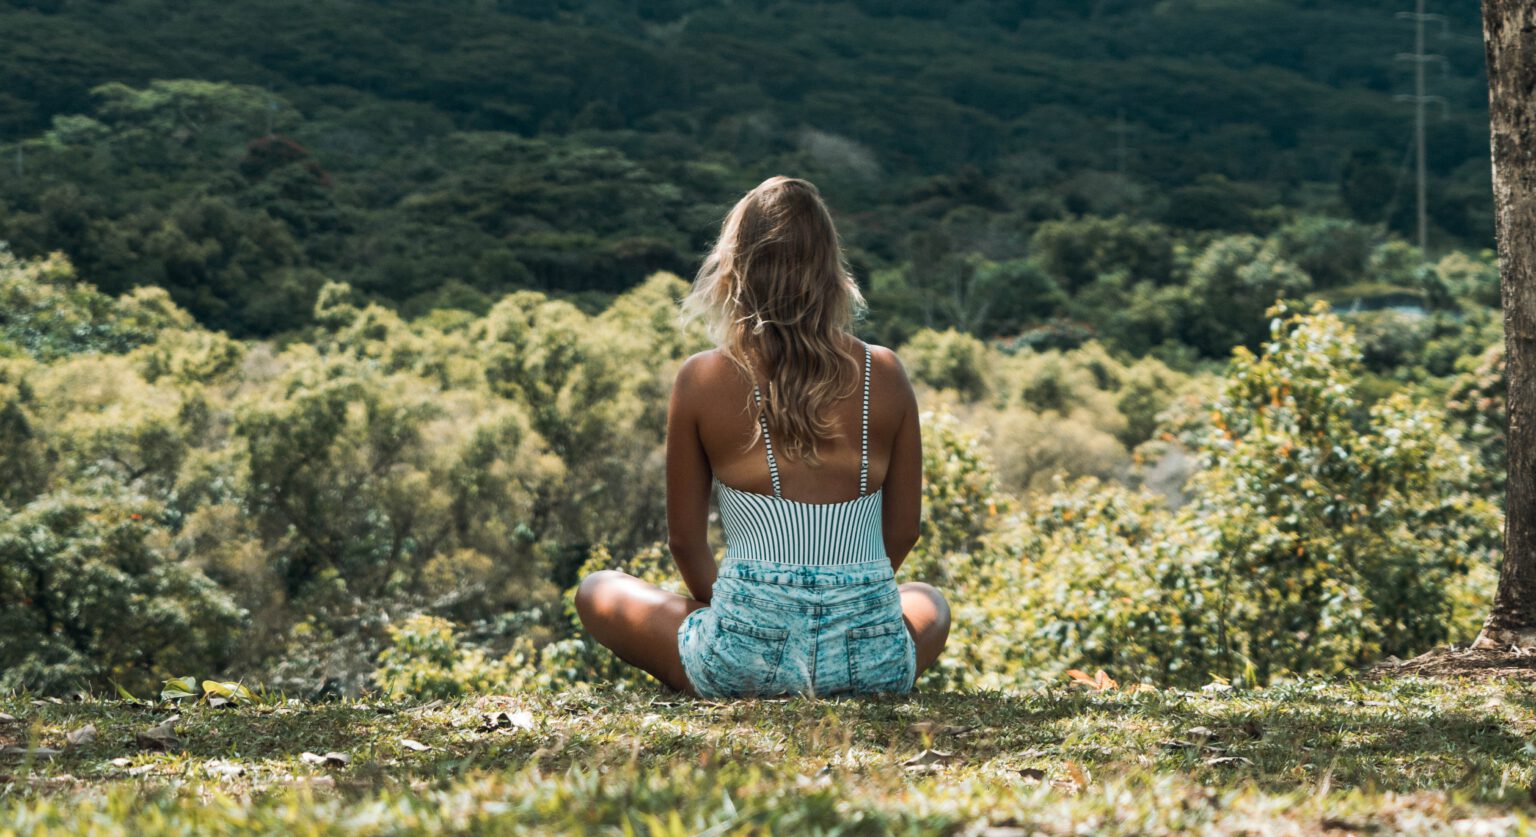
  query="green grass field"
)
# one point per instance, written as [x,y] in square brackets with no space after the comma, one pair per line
[1396,755]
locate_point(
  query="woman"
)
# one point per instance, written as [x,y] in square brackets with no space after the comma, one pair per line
[810,440]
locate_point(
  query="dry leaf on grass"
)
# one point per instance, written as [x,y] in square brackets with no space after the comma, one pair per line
[35,752]
[81,737]
[1032,774]
[928,760]
[1099,682]
[332,758]
[1227,761]
[1075,781]
[161,736]
[522,719]
[936,728]
[428,706]
[554,747]
[224,768]
[413,744]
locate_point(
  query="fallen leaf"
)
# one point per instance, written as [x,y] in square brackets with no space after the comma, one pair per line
[224,768]
[927,758]
[178,688]
[82,736]
[36,752]
[426,706]
[1077,774]
[1032,774]
[161,736]
[6,718]
[331,759]
[1177,744]
[413,744]
[1227,761]
[1099,682]
[120,761]
[1200,732]
[936,728]
[554,747]
[522,719]
[231,692]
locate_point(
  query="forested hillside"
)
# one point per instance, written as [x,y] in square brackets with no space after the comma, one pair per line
[338,336]
[1009,168]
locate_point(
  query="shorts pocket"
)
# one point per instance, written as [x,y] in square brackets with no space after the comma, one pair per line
[877,658]
[744,658]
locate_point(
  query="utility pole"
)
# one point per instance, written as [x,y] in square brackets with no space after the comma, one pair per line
[1121,151]
[1419,99]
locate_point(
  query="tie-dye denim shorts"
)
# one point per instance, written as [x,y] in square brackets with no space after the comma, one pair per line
[775,628]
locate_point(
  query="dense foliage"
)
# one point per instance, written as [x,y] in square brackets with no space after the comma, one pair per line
[434,488]
[1318,534]
[1048,170]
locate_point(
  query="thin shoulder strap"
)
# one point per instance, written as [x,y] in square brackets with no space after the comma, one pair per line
[864,440]
[762,421]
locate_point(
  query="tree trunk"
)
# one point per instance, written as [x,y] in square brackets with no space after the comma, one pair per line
[1509,35]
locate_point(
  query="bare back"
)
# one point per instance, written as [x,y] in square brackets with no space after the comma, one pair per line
[710,424]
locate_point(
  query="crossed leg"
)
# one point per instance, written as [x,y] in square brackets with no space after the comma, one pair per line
[639,622]
[926,613]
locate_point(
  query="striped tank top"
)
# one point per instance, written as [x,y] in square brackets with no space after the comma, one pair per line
[764,528]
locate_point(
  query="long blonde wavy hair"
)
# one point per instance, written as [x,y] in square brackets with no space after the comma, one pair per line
[776,286]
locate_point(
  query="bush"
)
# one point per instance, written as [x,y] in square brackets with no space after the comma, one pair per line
[1321,534]
[948,360]
[87,595]
[425,660]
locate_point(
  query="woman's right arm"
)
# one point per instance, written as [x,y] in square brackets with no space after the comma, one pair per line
[902,507]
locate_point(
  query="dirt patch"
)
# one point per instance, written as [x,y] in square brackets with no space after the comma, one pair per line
[1460,661]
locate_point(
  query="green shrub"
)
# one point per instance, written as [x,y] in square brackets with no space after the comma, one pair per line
[426,660]
[1320,535]
[87,595]
[948,360]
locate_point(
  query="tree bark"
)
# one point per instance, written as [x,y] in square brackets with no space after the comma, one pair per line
[1509,36]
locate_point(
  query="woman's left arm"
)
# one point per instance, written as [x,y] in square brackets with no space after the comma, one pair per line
[688,478]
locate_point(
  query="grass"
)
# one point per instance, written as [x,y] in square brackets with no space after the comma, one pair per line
[1396,755]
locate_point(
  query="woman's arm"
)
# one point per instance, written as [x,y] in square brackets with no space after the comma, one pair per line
[902,508]
[688,478]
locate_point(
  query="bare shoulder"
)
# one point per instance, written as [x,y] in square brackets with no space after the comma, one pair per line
[886,365]
[699,367]
[705,371]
